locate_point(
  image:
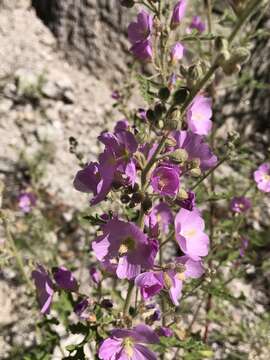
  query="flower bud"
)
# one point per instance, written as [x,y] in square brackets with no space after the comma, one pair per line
[151,116]
[221,44]
[182,194]
[195,163]
[159,110]
[164,94]
[167,281]
[240,56]
[179,155]
[180,96]
[137,197]
[196,172]
[125,199]
[127,3]
[146,204]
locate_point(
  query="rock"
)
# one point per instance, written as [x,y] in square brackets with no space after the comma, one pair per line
[50,90]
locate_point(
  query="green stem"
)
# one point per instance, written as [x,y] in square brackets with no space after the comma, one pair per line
[253,5]
[16,253]
[209,172]
[128,298]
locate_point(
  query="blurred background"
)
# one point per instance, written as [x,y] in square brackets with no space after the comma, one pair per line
[60,61]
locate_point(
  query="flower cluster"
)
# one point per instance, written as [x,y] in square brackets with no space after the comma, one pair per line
[145,174]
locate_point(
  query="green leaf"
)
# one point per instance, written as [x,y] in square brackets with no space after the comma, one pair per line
[145,88]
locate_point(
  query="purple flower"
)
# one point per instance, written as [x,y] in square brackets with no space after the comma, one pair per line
[178,13]
[80,309]
[127,344]
[177,52]
[185,268]
[165,180]
[196,148]
[262,177]
[44,287]
[140,30]
[199,115]
[164,331]
[115,162]
[244,246]
[95,275]
[197,24]
[64,279]
[142,50]
[190,235]
[240,204]
[115,95]
[150,284]
[125,241]
[156,316]
[160,217]
[189,203]
[27,201]
[142,114]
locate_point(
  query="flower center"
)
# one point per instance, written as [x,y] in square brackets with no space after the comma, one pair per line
[190,233]
[127,245]
[266,177]
[198,116]
[128,346]
[163,182]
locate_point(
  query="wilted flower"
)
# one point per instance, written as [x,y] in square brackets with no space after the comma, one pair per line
[262,177]
[126,344]
[165,180]
[178,13]
[64,279]
[44,287]
[190,235]
[199,114]
[125,241]
[240,204]
[177,52]
[197,24]
[27,201]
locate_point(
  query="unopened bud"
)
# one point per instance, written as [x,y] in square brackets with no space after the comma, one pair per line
[182,194]
[195,163]
[173,120]
[137,197]
[146,204]
[196,172]
[127,3]
[180,96]
[179,155]
[125,199]
[151,116]
[164,94]
[167,281]
[221,44]
[159,110]
[240,56]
